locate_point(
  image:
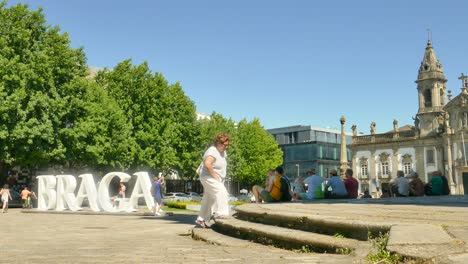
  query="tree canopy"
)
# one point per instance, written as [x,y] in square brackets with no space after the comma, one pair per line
[35,62]
[52,113]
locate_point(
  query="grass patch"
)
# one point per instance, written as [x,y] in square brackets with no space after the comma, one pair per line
[380,253]
[177,210]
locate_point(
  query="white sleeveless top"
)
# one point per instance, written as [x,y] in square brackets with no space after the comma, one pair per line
[219,165]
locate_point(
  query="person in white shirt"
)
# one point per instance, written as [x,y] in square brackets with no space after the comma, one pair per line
[298,185]
[215,201]
[400,185]
[313,182]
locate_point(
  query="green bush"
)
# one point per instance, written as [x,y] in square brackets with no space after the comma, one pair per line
[183,205]
[179,205]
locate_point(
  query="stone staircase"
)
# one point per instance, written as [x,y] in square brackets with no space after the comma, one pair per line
[424,232]
[251,227]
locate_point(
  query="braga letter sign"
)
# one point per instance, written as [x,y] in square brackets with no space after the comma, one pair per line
[58,192]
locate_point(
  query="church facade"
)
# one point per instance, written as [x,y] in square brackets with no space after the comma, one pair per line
[436,141]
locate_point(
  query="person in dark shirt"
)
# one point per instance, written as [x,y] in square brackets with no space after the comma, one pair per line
[351,184]
[416,186]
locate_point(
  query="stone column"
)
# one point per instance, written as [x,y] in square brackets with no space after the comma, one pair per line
[394,163]
[372,171]
[450,166]
[344,156]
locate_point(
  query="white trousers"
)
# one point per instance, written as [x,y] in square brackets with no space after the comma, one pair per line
[215,199]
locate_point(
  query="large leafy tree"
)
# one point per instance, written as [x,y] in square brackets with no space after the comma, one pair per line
[96,133]
[162,116]
[35,62]
[257,152]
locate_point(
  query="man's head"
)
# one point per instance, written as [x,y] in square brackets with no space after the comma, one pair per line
[349,173]
[279,170]
[333,173]
[436,173]
[270,173]
[400,173]
[414,175]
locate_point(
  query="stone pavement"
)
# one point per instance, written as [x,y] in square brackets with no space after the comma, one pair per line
[428,229]
[113,238]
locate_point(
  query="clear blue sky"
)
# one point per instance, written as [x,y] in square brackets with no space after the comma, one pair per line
[288,63]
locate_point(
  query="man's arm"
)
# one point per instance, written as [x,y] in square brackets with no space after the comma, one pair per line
[271,181]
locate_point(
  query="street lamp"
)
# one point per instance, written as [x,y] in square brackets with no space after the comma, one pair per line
[297,165]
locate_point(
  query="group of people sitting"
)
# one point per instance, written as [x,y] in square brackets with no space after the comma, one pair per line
[277,187]
[414,186]
[314,187]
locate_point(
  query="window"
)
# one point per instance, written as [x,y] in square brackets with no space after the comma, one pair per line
[430,156]
[407,164]
[407,168]
[465,82]
[427,98]
[385,169]
[291,137]
[364,171]
[363,167]
[442,97]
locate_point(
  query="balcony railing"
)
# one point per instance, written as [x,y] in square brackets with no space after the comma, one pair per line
[363,176]
[385,137]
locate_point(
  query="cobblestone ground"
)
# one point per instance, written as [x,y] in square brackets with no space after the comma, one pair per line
[66,238]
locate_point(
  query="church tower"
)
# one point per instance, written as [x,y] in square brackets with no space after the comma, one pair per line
[431,94]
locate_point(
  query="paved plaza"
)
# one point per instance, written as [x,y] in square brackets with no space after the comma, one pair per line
[420,227]
[78,238]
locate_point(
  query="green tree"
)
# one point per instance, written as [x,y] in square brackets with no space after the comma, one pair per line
[257,152]
[96,133]
[162,116]
[35,62]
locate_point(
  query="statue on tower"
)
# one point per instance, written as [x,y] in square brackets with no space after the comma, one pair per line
[354,129]
[416,122]
[372,128]
[395,125]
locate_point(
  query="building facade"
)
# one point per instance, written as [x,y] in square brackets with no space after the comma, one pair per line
[306,147]
[434,142]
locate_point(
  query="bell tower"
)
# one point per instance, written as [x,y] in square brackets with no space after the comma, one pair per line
[431,94]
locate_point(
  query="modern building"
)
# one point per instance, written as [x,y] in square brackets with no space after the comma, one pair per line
[434,142]
[307,147]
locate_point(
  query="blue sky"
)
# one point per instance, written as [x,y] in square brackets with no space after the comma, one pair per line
[287,63]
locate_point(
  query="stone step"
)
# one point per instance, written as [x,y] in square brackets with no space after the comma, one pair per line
[313,222]
[290,239]
[210,236]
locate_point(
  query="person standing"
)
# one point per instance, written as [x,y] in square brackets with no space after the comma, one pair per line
[120,195]
[351,184]
[213,172]
[26,197]
[157,196]
[5,194]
